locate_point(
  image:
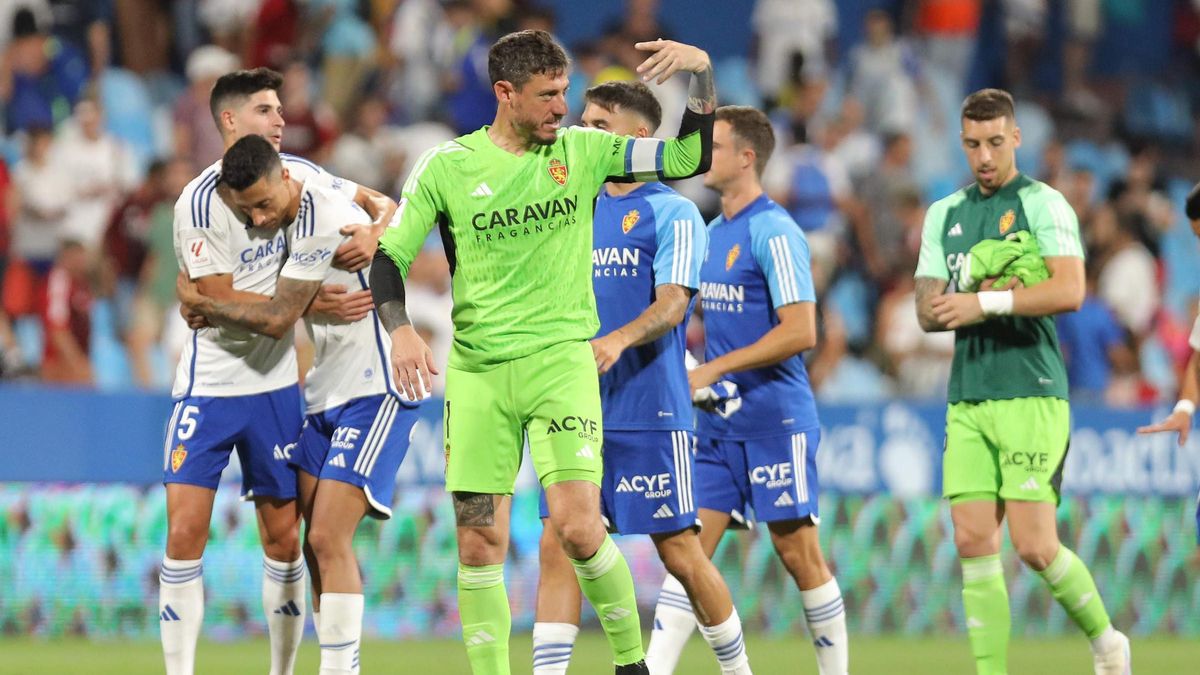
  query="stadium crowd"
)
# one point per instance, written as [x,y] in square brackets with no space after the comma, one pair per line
[101,133]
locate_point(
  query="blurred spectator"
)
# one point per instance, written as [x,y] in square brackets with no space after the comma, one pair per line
[40,10]
[149,55]
[126,239]
[11,360]
[86,24]
[39,209]
[41,78]
[884,73]
[948,29]
[347,44]
[154,301]
[1094,346]
[195,132]
[1128,278]
[102,172]
[67,317]
[311,125]
[794,38]
[422,45]
[639,22]
[367,154]
[882,192]
[227,21]
[470,102]
[274,34]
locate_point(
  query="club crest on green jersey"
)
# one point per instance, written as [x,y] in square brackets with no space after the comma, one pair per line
[558,171]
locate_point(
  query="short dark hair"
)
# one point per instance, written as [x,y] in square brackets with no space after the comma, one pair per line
[989,104]
[240,84]
[751,126]
[628,95]
[248,161]
[517,57]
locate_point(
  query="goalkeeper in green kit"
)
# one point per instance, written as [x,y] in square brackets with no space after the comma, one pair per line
[1008,421]
[513,203]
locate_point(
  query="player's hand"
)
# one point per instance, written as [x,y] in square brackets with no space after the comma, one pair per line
[412,363]
[1179,421]
[607,350]
[670,57]
[337,301]
[703,375]
[356,253]
[955,310]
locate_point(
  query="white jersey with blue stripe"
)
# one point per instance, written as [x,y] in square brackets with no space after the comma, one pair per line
[641,240]
[352,359]
[757,262]
[212,238]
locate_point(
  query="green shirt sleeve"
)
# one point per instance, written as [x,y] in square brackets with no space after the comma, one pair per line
[1052,221]
[932,260]
[420,208]
[641,159]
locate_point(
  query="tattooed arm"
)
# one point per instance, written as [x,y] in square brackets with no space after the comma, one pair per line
[666,312]
[929,288]
[272,318]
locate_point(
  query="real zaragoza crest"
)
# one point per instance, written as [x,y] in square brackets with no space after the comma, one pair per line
[1007,220]
[732,256]
[177,457]
[630,220]
[558,171]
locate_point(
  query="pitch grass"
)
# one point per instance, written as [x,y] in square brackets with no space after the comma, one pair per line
[885,655]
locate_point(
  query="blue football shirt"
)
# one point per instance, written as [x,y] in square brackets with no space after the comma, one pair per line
[757,262]
[649,237]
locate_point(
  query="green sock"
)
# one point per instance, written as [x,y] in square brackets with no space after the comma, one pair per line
[985,600]
[486,618]
[608,585]
[1073,587]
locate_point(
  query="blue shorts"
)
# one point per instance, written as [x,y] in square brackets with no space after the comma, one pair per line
[203,430]
[776,477]
[647,484]
[361,442]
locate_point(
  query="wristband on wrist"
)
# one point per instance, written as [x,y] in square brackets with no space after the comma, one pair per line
[996,303]
[1185,406]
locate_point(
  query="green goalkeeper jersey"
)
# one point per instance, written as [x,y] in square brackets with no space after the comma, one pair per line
[1007,356]
[518,232]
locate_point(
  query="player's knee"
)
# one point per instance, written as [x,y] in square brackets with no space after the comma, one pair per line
[972,542]
[186,540]
[800,557]
[580,539]
[281,543]
[683,559]
[326,543]
[1036,553]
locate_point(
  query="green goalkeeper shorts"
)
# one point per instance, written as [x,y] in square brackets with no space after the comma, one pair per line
[1012,449]
[553,396]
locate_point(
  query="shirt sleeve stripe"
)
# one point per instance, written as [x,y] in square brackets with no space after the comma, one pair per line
[676,256]
[299,160]
[784,274]
[206,201]
[685,227]
[198,219]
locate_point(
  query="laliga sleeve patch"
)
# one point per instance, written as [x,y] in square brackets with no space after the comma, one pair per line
[197,253]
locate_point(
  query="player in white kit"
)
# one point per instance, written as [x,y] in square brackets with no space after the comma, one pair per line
[234,388]
[358,425]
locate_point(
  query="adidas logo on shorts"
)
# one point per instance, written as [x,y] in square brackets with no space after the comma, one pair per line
[586,452]
[785,499]
[664,511]
[338,460]
[1030,484]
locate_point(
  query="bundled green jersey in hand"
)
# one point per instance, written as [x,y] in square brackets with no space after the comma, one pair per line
[1017,255]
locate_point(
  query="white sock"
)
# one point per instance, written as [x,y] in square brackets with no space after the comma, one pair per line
[674,621]
[180,612]
[1105,641]
[727,643]
[552,645]
[341,630]
[826,615]
[284,604]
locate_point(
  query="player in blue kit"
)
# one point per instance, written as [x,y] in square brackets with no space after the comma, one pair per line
[648,244]
[357,429]
[237,389]
[759,315]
